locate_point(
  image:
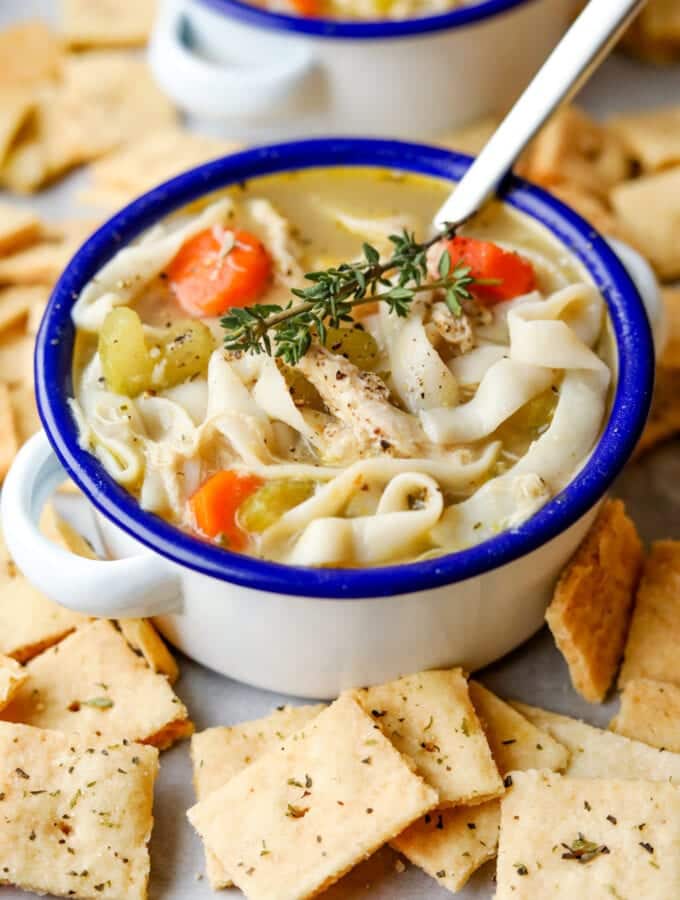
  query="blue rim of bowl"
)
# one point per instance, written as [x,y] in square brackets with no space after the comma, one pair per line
[371,30]
[629,408]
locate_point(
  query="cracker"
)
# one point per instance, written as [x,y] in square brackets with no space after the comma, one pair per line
[671,353]
[29,622]
[16,356]
[652,137]
[632,829]
[593,601]
[16,106]
[575,150]
[451,844]
[218,754]
[17,303]
[151,159]
[652,648]
[143,638]
[60,531]
[9,439]
[655,34]
[649,208]
[429,717]
[25,409]
[93,683]
[29,54]
[601,754]
[107,23]
[664,418]
[12,677]
[43,262]
[18,226]
[592,208]
[77,817]
[295,821]
[650,712]
[470,138]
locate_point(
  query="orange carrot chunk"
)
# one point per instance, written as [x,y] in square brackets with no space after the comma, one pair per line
[487,261]
[215,505]
[309,8]
[219,268]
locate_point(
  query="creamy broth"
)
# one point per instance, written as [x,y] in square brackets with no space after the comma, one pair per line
[361,10]
[397,438]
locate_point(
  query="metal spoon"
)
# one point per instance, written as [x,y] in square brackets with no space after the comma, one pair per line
[568,67]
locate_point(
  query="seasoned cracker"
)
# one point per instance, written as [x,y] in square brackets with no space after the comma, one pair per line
[295,821]
[17,303]
[12,677]
[593,209]
[649,208]
[77,816]
[143,638]
[107,23]
[29,54]
[652,137]
[93,683]
[9,439]
[16,356]
[629,832]
[18,226]
[60,531]
[664,418]
[650,712]
[218,754]
[671,303]
[574,149]
[593,601]
[655,34]
[652,648]
[596,753]
[429,717]
[451,844]
[29,622]
[43,262]
[17,104]
[25,410]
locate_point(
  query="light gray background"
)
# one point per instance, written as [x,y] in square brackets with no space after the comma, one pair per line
[535,673]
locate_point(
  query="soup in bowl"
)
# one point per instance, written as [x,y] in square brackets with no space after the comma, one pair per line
[396,490]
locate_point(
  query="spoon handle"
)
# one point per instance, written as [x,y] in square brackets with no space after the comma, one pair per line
[568,67]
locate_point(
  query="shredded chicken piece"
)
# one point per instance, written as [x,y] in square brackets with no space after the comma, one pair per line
[360,400]
[455,330]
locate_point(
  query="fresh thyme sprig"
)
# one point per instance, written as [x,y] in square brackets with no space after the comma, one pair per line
[287,331]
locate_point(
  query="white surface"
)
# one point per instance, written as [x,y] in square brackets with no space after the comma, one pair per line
[535,673]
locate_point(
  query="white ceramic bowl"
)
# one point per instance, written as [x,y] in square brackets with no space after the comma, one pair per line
[264,76]
[313,632]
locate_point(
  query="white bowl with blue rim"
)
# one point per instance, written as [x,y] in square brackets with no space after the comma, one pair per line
[302,631]
[261,75]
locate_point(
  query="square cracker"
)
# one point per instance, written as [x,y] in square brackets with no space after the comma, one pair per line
[451,844]
[9,439]
[651,137]
[29,54]
[16,106]
[596,753]
[17,303]
[143,638]
[631,827]
[93,683]
[650,712]
[649,208]
[218,754]
[671,304]
[652,648]
[43,262]
[12,676]
[592,208]
[107,23]
[77,816]
[430,718]
[29,622]
[664,418]
[18,225]
[295,821]
[592,604]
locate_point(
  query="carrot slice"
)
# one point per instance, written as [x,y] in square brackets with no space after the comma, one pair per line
[514,274]
[216,503]
[309,8]
[218,268]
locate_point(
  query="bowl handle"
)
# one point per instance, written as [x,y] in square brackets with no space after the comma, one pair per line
[142,585]
[645,281]
[220,90]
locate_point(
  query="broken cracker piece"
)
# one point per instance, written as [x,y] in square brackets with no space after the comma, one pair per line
[295,821]
[652,137]
[220,753]
[77,816]
[143,638]
[592,604]
[12,676]
[93,683]
[568,837]
[652,647]
[650,712]
[451,844]
[596,753]
[430,718]
[103,23]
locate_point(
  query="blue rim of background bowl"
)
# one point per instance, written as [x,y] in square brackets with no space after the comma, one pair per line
[629,409]
[372,30]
